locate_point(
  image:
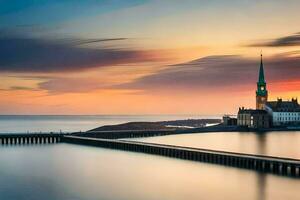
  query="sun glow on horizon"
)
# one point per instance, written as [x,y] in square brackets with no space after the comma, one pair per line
[145,57]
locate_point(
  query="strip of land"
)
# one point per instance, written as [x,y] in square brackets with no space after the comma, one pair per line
[150,129]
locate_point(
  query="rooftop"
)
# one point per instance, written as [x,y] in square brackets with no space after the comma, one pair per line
[284,106]
[251,111]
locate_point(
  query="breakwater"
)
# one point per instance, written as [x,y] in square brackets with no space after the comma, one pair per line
[10,139]
[266,164]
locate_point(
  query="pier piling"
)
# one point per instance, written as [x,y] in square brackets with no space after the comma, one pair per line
[267,164]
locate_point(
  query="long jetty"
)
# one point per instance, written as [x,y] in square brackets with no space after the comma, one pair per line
[267,164]
[31,138]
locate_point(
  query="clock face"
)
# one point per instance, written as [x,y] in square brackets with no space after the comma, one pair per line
[262,88]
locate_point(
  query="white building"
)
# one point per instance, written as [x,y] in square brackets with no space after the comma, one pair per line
[284,112]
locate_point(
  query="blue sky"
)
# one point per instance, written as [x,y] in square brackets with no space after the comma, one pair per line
[46,12]
[124,54]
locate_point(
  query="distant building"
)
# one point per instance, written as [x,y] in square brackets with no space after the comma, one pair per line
[269,113]
[284,112]
[261,92]
[256,118]
[229,120]
[253,118]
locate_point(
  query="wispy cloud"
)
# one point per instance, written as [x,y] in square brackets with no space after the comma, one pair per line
[209,74]
[22,88]
[25,54]
[71,85]
[218,73]
[89,41]
[290,40]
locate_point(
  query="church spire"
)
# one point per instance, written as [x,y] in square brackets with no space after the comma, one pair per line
[261,78]
[261,92]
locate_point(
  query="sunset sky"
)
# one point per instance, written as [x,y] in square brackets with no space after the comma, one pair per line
[145,56]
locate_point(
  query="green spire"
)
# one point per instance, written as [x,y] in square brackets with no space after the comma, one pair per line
[261,84]
[261,78]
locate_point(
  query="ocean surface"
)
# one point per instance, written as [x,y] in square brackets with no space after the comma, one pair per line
[72,123]
[74,172]
[276,143]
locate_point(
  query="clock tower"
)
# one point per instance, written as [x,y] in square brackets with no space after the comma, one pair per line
[261,92]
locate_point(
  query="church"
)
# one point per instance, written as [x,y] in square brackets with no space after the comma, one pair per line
[269,113]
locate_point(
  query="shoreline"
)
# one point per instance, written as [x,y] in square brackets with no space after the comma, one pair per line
[119,134]
[159,132]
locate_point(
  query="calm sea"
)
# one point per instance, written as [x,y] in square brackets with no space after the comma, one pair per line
[276,143]
[73,172]
[71,123]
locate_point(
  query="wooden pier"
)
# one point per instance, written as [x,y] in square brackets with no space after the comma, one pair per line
[41,138]
[267,164]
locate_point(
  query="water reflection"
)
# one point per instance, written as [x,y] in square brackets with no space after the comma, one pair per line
[261,186]
[261,140]
[284,144]
[65,172]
